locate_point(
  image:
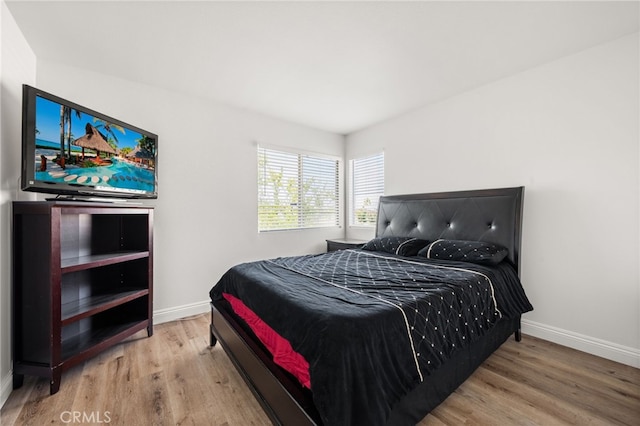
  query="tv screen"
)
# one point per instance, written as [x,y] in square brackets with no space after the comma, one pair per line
[71,150]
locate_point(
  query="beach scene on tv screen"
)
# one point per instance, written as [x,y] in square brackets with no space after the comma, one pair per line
[74,147]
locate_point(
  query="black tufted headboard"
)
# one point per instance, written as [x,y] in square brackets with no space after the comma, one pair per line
[493,215]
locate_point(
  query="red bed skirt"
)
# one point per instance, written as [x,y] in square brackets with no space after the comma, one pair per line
[278,346]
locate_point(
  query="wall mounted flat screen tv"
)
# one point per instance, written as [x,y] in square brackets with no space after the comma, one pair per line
[75,152]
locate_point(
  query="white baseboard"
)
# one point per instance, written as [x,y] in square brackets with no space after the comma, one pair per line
[177,312]
[591,345]
[6,386]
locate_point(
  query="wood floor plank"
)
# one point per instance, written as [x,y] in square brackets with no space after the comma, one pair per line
[175,378]
[118,387]
[521,403]
[594,393]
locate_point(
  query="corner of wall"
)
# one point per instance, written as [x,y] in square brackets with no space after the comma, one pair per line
[17,67]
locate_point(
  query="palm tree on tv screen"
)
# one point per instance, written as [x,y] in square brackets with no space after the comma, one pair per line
[68,113]
[109,129]
[65,121]
[62,120]
[147,145]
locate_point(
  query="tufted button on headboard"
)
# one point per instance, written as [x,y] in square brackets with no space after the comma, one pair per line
[493,215]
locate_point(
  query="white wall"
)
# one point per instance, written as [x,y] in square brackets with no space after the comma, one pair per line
[17,66]
[569,132]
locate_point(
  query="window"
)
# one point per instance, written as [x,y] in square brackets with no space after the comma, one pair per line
[297,190]
[367,185]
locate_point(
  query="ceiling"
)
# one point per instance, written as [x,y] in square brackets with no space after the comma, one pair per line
[337,66]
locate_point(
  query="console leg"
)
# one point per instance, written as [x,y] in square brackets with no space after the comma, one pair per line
[518,335]
[56,378]
[150,330]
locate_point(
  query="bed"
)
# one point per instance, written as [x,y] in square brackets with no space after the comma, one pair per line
[382,334]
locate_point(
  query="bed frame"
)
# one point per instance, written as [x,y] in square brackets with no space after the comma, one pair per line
[493,215]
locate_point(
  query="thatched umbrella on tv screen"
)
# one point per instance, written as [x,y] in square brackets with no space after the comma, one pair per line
[94,140]
[140,156]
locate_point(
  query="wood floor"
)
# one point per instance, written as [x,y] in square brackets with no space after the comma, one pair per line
[175,378]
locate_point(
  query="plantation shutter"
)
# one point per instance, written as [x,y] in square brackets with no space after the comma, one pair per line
[296,190]
[367,185]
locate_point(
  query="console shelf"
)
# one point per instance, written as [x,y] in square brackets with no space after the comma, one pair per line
[96,260]
[82,345]
[88,306]
[82,282]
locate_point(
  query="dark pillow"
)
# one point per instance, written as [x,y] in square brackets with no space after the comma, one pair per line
[403,246]
[467,251]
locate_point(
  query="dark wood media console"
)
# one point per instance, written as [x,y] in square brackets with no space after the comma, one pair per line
[82,282]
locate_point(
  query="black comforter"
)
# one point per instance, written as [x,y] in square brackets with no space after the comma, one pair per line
[373,325]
